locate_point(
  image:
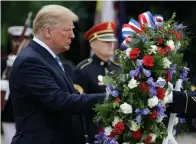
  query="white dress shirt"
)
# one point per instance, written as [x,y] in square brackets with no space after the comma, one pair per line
[45,46]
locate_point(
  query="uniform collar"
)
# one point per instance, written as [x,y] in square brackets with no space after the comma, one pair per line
[99,61]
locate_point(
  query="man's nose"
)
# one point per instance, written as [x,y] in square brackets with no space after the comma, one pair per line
[72,36]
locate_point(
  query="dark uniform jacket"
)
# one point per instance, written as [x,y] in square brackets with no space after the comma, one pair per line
[184,103]
[86,78]
[44,99]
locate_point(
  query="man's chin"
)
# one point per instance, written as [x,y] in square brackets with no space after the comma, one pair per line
[110,54]
[67,47]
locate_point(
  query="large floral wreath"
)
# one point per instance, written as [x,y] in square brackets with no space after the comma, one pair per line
[151,63]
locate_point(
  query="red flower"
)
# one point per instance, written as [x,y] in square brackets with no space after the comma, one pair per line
[134,53]
[148,139]
[160,28]
[119,127]
[168,48]
[168,77]
[113,133]
[177,34]
[160,93]
[160,40]
[117,99]
[153,115]
[144,87]
[161,51]
[148,60]
[136,134]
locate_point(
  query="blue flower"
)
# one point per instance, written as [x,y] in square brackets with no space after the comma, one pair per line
[145,111]
[138,119]
[111,91]
[137,111]
[182,120]
[160,111]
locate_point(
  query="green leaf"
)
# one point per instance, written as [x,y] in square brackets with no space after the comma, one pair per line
[107,80]
[114,105]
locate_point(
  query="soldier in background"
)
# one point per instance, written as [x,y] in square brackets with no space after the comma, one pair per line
[102,42]
[69,66]
[191,119]
[7,117]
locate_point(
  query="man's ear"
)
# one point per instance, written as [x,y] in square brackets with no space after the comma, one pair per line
[93,44]
[47,33]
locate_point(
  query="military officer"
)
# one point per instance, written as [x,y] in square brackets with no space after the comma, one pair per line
[191,119]
[102,40]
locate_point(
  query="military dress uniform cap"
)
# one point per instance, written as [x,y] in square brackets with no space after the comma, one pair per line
[17,31]
[102,31]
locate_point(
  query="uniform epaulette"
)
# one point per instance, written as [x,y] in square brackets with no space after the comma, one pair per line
[84,63]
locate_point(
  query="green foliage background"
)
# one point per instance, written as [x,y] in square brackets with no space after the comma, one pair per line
[14,13]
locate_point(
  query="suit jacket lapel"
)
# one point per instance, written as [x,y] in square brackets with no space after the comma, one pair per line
[53,62]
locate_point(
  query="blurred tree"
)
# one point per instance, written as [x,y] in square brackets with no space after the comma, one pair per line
[15,13]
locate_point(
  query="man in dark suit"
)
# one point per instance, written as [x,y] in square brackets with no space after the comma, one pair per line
[101,38]
[43,95]
[183,102]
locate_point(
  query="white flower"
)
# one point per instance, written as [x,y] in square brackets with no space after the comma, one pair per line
[139,143]
[116,120]
[186,68]
[152,102]
[153,137]
[168,96]
[160,119]
[178,45]
[170,43]
[166,63]
[126,108]
[167,26]
[166,99]
[160,79]
[153,49]
[128,50]
[126,143]
[107,130]
[176,121]
[133,83]
[134,126]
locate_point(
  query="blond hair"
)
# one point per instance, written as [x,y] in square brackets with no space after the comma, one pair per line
[51,15]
